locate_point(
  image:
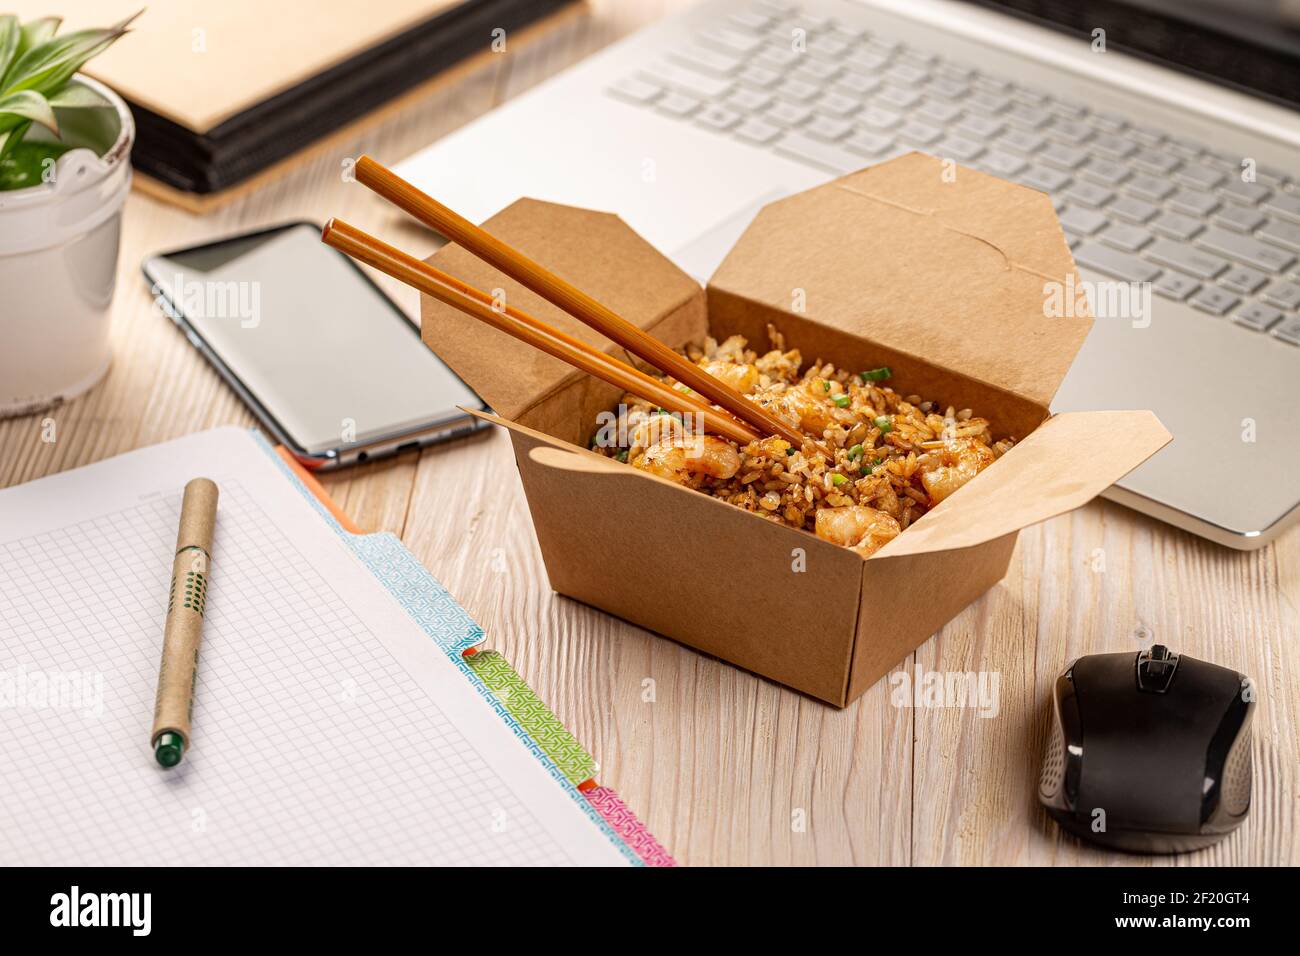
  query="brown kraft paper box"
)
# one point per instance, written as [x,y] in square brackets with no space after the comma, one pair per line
[942,278]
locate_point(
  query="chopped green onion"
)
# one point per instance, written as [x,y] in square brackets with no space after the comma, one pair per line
[838,480]
[855,452]
[876,374]
[871,469]
[790,451]
[842,401]
[884,424]
[622,456]
[826,386]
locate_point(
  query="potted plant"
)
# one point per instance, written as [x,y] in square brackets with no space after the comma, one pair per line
[65,145]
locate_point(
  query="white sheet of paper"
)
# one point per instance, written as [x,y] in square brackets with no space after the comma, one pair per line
[328,728]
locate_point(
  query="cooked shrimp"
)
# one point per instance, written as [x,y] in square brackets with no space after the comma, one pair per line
[864,530]
[681,456]
[813,415]
[946,469]
[741,377]
[654,429]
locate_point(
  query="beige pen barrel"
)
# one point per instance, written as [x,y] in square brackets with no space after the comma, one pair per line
[184,628]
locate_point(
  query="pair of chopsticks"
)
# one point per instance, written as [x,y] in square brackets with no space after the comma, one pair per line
[741,420]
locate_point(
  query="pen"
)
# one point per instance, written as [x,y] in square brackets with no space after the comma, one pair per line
[184,628]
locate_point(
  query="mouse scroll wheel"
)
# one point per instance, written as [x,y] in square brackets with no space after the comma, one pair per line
[1156,669]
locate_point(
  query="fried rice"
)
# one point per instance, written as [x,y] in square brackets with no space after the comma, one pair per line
[894,456]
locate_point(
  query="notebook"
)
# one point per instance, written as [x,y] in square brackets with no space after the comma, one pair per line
[222,92]
[342,712]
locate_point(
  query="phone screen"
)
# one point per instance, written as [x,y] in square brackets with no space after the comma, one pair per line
[302,331]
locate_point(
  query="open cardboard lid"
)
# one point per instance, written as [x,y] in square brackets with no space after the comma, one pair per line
[948,268]
[597,252]
[1062,465]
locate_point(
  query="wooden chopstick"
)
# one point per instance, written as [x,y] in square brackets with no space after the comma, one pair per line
[446,288]
[571,299]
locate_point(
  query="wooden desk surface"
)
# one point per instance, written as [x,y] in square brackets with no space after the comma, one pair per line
[727,768]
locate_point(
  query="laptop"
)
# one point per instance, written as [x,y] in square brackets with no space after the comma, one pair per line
[1167,133]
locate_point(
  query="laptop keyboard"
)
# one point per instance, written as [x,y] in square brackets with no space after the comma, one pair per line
[1135,204]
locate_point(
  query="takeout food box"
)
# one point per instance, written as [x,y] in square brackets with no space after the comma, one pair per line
[943,279]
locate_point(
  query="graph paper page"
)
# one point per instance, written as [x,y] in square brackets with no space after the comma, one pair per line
[328,727]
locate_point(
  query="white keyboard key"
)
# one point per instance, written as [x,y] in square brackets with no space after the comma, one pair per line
[1154,161]
[687,81]
[830,156]
[1243,279]
[895,97]
[1240,218]
[868,143]
[636,90]
[828,128]
[921,134]
[1196,176]
[1062,155]
[1288,331]
[1281,233]
[706,60]
[958,147]
[678,104]
[1284,295]
[1193,202]
[787,114]
[1176,225]
[1093,255]
[853,83]
[1257,316]
[1002,164]
[1089,194]
[1148,188]
[1175,255]
[1244,249]
[797,90]
[1128,238]
[1214,300]
[759,76]
[1022,141]
[748,101]
[1081,221]
[717,117]
[1134,210]
[1249,193]
[1175,285]
[757,131]
[879,118]
[1045,178]
[1285,204]
[837,104]
[735,42]
[938,111]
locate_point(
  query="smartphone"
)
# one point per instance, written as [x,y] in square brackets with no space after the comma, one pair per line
[329,364]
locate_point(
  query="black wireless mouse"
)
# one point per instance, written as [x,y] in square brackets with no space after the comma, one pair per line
[1149,752]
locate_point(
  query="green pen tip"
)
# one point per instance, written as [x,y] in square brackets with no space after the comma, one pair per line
[168,749]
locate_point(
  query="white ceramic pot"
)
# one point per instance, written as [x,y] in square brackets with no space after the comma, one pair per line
[58,261]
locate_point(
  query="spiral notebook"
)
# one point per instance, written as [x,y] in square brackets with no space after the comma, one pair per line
[343,713]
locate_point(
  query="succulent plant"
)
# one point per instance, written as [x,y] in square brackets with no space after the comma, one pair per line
[36,69]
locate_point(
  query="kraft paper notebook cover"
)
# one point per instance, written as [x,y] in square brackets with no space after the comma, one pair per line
[338,717]
[223,90]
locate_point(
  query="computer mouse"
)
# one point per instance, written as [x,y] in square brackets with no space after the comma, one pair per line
[1149,752]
